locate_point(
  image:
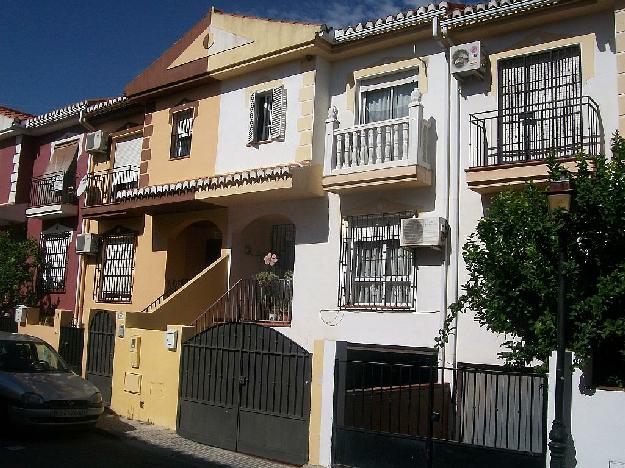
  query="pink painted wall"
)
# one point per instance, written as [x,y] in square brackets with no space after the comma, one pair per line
[66,300]
[7,151]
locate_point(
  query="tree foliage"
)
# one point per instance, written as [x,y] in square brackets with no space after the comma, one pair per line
[19,259]
[512,260]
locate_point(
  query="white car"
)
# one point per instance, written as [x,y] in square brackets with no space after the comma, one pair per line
[37,387]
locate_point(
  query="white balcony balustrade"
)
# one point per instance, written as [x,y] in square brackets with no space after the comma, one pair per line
[377,145]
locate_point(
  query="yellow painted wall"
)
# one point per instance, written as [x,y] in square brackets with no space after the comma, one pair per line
[48,333]
[155,400]
[201,162]
[314,435]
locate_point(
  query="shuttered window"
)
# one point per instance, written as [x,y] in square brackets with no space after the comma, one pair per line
[267,118]
[127,161]
[182,130]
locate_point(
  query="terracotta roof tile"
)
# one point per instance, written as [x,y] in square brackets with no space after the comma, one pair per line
[8,112]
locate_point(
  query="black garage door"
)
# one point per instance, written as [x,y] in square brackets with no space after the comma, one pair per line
[246,387]
[396,408]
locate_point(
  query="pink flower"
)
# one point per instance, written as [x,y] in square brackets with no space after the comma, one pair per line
[270,259]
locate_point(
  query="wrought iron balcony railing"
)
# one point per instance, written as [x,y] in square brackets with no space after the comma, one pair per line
[53,189]
[563,128]
[250,300]
[104,187]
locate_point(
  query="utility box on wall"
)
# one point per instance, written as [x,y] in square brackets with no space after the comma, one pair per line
[171,339]
[135,351]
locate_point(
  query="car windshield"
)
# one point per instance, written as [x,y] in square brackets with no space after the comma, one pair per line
[29,356]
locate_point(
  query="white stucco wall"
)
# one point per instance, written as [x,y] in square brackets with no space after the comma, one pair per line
[233,154]
[597,423]
[476,344]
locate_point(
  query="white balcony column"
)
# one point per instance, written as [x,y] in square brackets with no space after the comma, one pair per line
[415,118]
[332,124]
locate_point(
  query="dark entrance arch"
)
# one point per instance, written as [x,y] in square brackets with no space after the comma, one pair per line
[246,387]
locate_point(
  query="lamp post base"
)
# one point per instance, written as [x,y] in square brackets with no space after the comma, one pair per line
[557,445]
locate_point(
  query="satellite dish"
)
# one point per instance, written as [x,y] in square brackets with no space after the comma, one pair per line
[82,186]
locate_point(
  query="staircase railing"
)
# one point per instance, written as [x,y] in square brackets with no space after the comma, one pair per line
[171,286]
[250,300]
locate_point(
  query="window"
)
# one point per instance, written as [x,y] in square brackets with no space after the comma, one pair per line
[386,97]
[54,245]
[267,115]
[126,164]
[116,267]
[376,273]
[181,132]
[540,108]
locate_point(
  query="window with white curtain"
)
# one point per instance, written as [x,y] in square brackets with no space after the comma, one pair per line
[181,133]
[386,97]
[376,273]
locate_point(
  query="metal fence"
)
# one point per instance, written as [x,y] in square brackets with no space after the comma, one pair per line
[71,342]
[103,188]
[8,324]
[250,300]
[493,408]
[563,128]
[53,189]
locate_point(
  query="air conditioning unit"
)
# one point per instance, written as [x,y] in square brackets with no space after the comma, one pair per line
[468,60]
[97,142]
[423,232]
[87,244]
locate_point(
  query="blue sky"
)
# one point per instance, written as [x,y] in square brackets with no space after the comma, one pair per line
[55,52]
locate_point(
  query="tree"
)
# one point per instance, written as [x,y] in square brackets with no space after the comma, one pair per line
[512,262]
[19,260]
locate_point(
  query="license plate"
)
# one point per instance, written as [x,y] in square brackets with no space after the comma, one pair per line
[70,413]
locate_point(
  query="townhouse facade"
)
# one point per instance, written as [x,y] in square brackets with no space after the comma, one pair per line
[242,275]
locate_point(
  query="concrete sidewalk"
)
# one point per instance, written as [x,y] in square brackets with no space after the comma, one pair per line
[164,439]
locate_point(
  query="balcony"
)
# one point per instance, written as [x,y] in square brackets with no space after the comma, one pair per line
[511,148]
[377,154]
[105,187]
[53,196]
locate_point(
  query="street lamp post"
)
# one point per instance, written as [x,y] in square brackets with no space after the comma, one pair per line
[559,197]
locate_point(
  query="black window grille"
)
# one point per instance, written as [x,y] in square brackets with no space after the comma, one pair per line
[116,267]
[181,133]
[54,251]
[539,104]
[283,245]
[376,273]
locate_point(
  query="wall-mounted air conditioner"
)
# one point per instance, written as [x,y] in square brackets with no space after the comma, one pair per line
[423,232]
[97,142]
[468,60]
[87,244]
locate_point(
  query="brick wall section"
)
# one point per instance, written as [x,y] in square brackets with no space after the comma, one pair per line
[619,33]
[146,152]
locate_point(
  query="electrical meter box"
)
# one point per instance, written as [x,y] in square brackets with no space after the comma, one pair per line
[135,351]
[171,339]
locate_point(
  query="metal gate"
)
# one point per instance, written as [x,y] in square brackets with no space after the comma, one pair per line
[8,324]
[100,349]
[246,387]
[390,414]
[71,341]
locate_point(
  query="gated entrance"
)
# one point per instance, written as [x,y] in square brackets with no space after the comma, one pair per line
[71,341]
[100,349]
[246,387]
[8,324]
[390,412]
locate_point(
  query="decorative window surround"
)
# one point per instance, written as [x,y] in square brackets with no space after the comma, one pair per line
[378,145]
